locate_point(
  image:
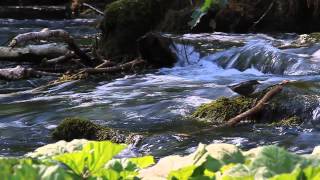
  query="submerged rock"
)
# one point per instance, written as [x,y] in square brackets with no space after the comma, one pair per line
[157,50]
[77,128]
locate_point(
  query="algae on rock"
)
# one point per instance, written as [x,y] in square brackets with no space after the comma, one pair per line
[294,104]
[77,128]
[223,109]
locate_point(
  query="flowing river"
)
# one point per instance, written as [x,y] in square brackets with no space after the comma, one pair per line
[158,102]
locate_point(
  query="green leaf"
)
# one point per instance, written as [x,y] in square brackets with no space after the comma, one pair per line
[312,173]
[212,164]
[295,175]
[107,174]
[238,171]
[99,153]
[182,174]
[276,160]
[75,161]
[142,162]
[203,10]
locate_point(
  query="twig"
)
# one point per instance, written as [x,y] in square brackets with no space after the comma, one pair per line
[93,8]
[263,15]
[106,63]
[257,108]
[46,34]
[114,69]
[60,59]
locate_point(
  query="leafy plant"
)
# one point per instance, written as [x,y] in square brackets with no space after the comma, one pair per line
[93,161]
[203,10]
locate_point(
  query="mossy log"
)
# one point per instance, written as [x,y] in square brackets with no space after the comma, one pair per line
[77,128]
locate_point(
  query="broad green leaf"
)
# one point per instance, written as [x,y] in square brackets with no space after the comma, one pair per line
[106,174]
[75,161]
[212,164]
[238,171]
[275,160]
[182,174]
[312,173]
[99,153]
[142,162]
[56,173]
[295,175]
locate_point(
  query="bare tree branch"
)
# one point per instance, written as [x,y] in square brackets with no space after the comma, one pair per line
[47,34]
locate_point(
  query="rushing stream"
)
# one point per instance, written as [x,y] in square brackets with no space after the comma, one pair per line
[158,101]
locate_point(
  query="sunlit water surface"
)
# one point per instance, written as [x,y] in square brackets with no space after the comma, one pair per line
[158,101]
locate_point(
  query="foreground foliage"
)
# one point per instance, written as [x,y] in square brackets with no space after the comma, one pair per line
[93,161]
[82,159]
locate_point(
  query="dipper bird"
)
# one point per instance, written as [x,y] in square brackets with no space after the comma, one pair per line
[245,88]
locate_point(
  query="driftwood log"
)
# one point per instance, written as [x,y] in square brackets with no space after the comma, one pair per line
[47,34]
[33,53]
[20,72]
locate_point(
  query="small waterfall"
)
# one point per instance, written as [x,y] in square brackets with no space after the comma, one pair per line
[260,52]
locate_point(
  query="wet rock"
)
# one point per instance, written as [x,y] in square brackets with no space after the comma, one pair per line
[77,128]
[157,50]
[176,21]
[126,20]
[223,109]
[294,105]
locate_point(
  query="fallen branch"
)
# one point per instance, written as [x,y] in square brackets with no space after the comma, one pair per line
[106,63]
[46,34]
[263,15]
[115,69]
[60,59]
[257,108]
[32,53]
[20,72]
[93,8]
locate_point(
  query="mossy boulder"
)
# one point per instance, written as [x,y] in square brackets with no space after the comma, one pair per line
[294,105]
[127,20]
[223,109]
[78,128]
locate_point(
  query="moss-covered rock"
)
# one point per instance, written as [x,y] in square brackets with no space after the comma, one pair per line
[292,106]
[127,20]
[77,128]
[223,109]
[290,121]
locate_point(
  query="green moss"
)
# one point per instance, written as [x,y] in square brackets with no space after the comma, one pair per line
[223,109]
[75,128]
[291,121]
[78,128]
